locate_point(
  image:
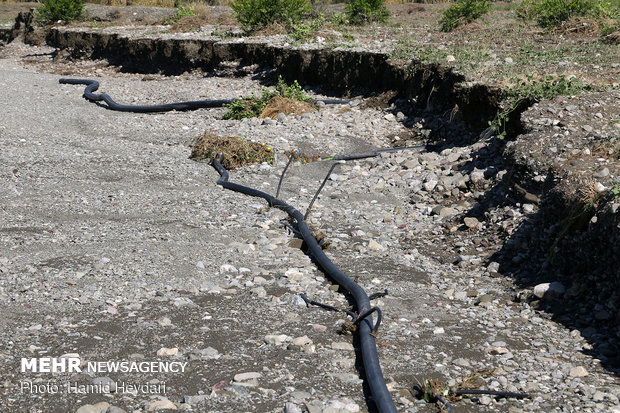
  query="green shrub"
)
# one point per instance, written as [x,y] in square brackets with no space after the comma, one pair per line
[339,19]
[256,14]
[302,31]
[549,14]
[366,11]
[463,11]
[51,11]
[252,106]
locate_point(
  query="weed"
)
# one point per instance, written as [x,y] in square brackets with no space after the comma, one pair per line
[339,19]
[614,191]
[463,11]
[51,11]
[184,11]
[366,11]
[252,106]
[303,31]
[348,37]
[256,14]
[236,151]
[530,90]
[550,14]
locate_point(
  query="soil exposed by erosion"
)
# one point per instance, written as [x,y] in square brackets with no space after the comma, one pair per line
[125,240]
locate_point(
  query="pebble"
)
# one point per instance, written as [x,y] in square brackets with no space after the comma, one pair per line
[471,222]
[162,404]
[277,339]
[167,352]
[578,372]
[342,346]
[101,407]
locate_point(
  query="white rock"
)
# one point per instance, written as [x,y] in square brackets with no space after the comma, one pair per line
[549,290]
[374,245]
[161,405]
[276,339]
[578,372]
[167,352]
[228,268]
[342,346]
[247,376]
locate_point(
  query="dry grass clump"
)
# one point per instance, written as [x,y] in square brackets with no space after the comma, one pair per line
[236,151]
[287,106]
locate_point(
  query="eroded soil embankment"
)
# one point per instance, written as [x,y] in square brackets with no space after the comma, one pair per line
[431,86]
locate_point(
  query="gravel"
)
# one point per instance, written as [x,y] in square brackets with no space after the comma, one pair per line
[115,246]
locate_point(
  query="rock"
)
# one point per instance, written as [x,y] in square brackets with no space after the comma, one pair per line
[106,384]
[195,399]
[209,353]
[471,222]
[603,173]
[485,400]
[296,243]
[578,372]
[549,290]
[161,405]
[461,362]
[476,176]
[228,268]
[374,245]
[430,185]
[450,58]
[277,340]
[167,352]
[528,208]
[114,409]
[299,343]
[100,407]
[438,330]
[342,346]
[298,301]
[291,408]
[443,211]
[247,376]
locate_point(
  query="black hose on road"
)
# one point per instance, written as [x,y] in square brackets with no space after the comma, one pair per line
[370,357]
[93,85]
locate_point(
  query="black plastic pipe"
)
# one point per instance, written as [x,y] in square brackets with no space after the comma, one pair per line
[93,85]
[370,357]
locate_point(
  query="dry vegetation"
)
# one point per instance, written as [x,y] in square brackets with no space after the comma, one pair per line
[236,151]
